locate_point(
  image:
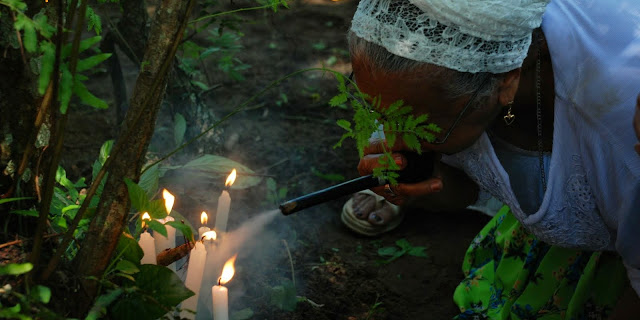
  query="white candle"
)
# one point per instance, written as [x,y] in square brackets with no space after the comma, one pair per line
[202,230]
[222,215]
[193,281]
[219,295]
[224,203]
[168,242]
[148,246]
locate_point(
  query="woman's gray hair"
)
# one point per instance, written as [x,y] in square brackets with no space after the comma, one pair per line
[455,83]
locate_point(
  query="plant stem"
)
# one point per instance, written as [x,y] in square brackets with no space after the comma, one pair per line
[293,275]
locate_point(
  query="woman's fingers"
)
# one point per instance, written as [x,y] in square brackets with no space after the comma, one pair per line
[371,161]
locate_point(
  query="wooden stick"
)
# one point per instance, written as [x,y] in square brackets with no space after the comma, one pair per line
[14,242]
[170,256]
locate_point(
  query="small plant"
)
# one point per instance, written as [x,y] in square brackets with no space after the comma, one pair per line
[275,195]
[396,119]
[403,247]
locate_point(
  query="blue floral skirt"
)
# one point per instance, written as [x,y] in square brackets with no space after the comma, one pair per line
[512,275]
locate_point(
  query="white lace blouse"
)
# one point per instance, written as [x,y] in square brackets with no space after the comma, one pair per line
[593,182]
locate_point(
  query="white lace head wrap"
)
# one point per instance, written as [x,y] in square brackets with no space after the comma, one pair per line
[464,35]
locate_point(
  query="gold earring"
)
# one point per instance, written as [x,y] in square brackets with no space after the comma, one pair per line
[509,117]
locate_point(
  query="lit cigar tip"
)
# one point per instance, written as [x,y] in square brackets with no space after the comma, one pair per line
[288,207]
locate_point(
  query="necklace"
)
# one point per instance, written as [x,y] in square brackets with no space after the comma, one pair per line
[539,117]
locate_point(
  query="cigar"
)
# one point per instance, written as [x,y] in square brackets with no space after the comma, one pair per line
[419,167]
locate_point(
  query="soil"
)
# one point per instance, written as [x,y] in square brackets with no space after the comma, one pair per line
[336,271]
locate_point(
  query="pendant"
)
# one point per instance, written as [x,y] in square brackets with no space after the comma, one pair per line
[509,117]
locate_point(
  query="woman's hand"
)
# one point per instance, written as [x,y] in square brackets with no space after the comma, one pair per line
[447,189]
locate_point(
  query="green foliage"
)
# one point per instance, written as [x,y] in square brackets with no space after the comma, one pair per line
[403,247]
[244,314]
[36,34]
[155,290]
[275,195]
[15,269]
[369,116]
[284,296]
[333,177]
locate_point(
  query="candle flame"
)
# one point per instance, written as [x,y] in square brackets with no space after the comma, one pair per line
[228,271]
[231,178]
[168,200]
[204,218]
[210,235]
[146,216]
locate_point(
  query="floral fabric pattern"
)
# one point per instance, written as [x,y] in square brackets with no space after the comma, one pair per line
[509,274]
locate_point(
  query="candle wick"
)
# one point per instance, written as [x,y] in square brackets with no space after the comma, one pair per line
[219,280]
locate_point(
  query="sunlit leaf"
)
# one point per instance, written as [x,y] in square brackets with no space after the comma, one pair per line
[87,97]
[217,167]
[41,293]
[127,267]
[88,63]
[129,248]
[15,268]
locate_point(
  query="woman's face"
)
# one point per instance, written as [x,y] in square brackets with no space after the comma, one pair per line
[425,97]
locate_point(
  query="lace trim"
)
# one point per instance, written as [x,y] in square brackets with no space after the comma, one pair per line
[405,30]
[570,219]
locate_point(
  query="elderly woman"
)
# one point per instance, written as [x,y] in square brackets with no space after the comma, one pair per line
[535,114]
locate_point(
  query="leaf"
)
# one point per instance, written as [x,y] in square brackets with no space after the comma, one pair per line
[102,302]
[84,45]
[158,291]
[284,296]
[137,195]
[127,267]
[93,21]
[244,314]
[412,142]
[217,167]
[200,84]
[15,269]
[156,209]
[88,63]
[14,199]
[158,227]
[87,97]
[338,100]
[344,124]
[185,229]
[105,150]
[129,248]
[150,179]
[48,59]
[29,38]
[66,88]
[387,251]
[328,176]
[28,213]
[41,293]
[404,244]
[40,23]
[418,252]
[179,128]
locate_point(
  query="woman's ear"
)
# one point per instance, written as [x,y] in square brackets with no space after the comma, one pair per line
[508,87]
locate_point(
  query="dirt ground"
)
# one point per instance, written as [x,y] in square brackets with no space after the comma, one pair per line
[336,270]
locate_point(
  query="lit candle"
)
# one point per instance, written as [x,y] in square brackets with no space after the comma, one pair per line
[220,293]
[193,281]
[203,219]
[147,243]
[168,242]
[224,203]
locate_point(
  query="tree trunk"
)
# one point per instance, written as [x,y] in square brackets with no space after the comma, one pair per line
[110,218]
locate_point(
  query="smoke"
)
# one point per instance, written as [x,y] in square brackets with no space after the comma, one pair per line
[252,240]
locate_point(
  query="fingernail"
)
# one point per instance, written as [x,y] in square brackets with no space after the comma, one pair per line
[436,186]
[377,218]
[398,160]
